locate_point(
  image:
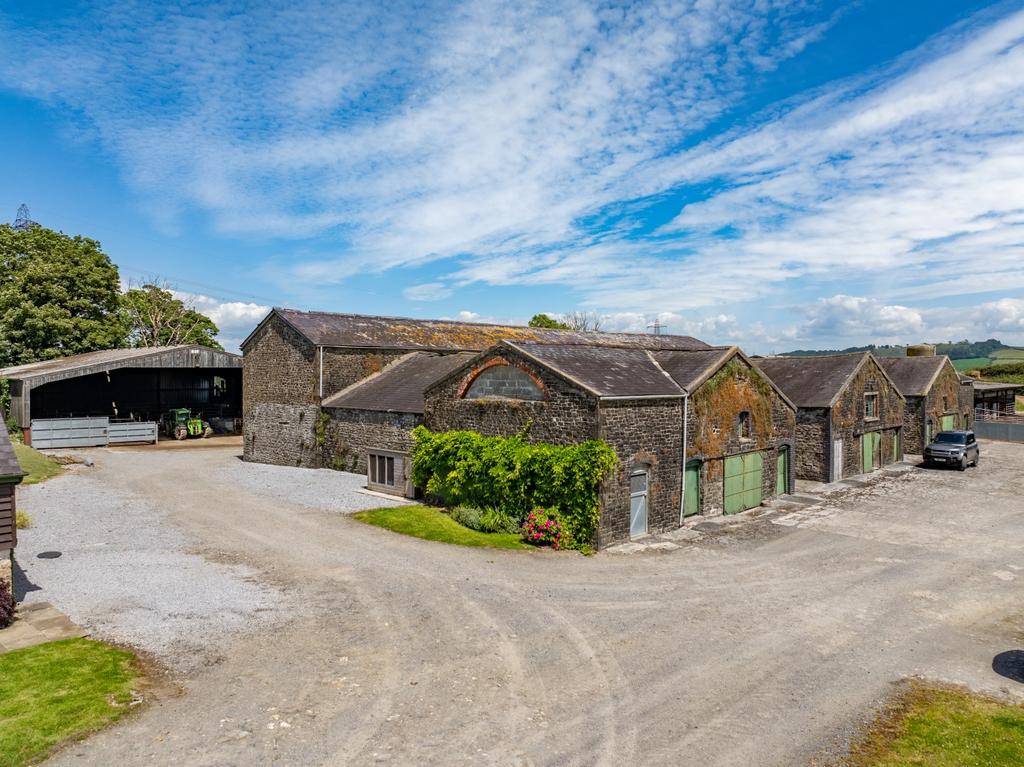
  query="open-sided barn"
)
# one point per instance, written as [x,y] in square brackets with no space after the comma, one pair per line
[127,384]
[850,413]
[936,398]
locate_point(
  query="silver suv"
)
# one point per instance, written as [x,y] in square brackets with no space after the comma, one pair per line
[953,448]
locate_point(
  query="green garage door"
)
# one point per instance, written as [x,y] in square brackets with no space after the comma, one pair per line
[948,422]
[871,443]
[743,474]
[691,503]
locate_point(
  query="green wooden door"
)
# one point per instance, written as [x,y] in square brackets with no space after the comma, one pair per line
[871,443]
[743,476]
[948,422]
[782,472]
[691,503]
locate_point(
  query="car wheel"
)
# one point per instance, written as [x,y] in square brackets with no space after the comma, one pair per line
[977,459]
[963,464]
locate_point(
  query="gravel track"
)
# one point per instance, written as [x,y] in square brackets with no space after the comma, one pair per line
[393,650]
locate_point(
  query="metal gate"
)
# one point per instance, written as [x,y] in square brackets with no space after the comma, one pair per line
[637,504]
[743,475]
[60,433]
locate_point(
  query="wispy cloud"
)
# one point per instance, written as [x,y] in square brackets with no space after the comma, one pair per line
[529,142]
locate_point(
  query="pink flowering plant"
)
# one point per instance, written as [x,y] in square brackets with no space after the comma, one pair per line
[543,528]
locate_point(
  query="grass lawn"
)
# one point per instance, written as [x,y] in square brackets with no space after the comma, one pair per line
[1008,355]
[60,691]
[434,525]
[944,727]
[971,363]
[38,466]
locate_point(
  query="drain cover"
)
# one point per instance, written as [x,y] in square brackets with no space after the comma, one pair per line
[48,554]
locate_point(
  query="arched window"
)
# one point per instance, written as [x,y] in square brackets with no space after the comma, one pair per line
[504,382]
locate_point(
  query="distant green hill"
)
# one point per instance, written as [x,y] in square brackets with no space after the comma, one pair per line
[965,355]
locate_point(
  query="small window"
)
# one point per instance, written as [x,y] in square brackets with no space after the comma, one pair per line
[744,427]
[871,406]
[381,469]
[945,404]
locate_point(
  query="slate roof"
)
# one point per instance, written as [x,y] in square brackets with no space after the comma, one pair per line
[607,371]
[363,331]
[399,387]
[812,381]
[82,364]
[913,376]
[9,466]
[689,369]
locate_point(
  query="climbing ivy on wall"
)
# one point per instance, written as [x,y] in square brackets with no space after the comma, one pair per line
[720,400]
[515,476]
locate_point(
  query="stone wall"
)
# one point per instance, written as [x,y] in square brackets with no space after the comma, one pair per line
[849,423]
[7,568]
[281,392]
[645,434]
[568,414]
[349,434]
[947,397]
[713,432]
[812,444]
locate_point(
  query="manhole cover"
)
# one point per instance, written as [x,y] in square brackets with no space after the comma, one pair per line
[48,554]
[1010,664]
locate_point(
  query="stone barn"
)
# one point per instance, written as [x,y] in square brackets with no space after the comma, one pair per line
[850,413]
[10,476]
[366,427]
[294,361]
[737,427]
[936,400]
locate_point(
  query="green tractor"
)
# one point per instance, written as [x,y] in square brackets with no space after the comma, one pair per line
[181,424]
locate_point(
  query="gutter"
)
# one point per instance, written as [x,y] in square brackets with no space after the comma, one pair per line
[624,397]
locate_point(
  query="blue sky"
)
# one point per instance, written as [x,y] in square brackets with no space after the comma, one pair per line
[776,174]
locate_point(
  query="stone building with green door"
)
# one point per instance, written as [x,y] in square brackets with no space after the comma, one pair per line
[737,427]
[938,398]
[849,417]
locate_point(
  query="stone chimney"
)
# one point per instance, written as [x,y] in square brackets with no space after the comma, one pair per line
[921,350]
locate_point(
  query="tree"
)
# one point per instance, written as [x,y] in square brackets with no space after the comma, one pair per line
[544,321]
[58,295]
[153,316]
[590,322]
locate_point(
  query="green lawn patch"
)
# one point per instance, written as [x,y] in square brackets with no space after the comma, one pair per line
[971,363]
[39,467]
[943,727]
[432,524]
[60,691]
[1008,355]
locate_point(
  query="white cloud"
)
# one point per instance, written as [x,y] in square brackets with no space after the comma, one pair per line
[863,319]
[428,291]
[234,319]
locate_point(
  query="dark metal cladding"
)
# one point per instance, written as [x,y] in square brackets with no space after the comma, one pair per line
[399,387]
[913,376]
[811,381]
[361,331]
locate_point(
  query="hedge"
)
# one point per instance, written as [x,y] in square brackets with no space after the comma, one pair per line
[516,476]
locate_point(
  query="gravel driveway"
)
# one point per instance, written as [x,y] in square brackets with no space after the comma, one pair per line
[765,644]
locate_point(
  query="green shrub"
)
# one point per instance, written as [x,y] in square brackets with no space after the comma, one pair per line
[22,520]
[543,528]
[467,516]
[514,476]
[500,521]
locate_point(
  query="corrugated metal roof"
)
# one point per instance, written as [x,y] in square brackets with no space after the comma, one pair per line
[399,387]
[811,381]
[607,371]
[9,466]
[362,331]
[110,358]
[913,376]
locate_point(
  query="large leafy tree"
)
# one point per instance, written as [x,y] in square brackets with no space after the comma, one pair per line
[59,295]
[154,316]
[546,321]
